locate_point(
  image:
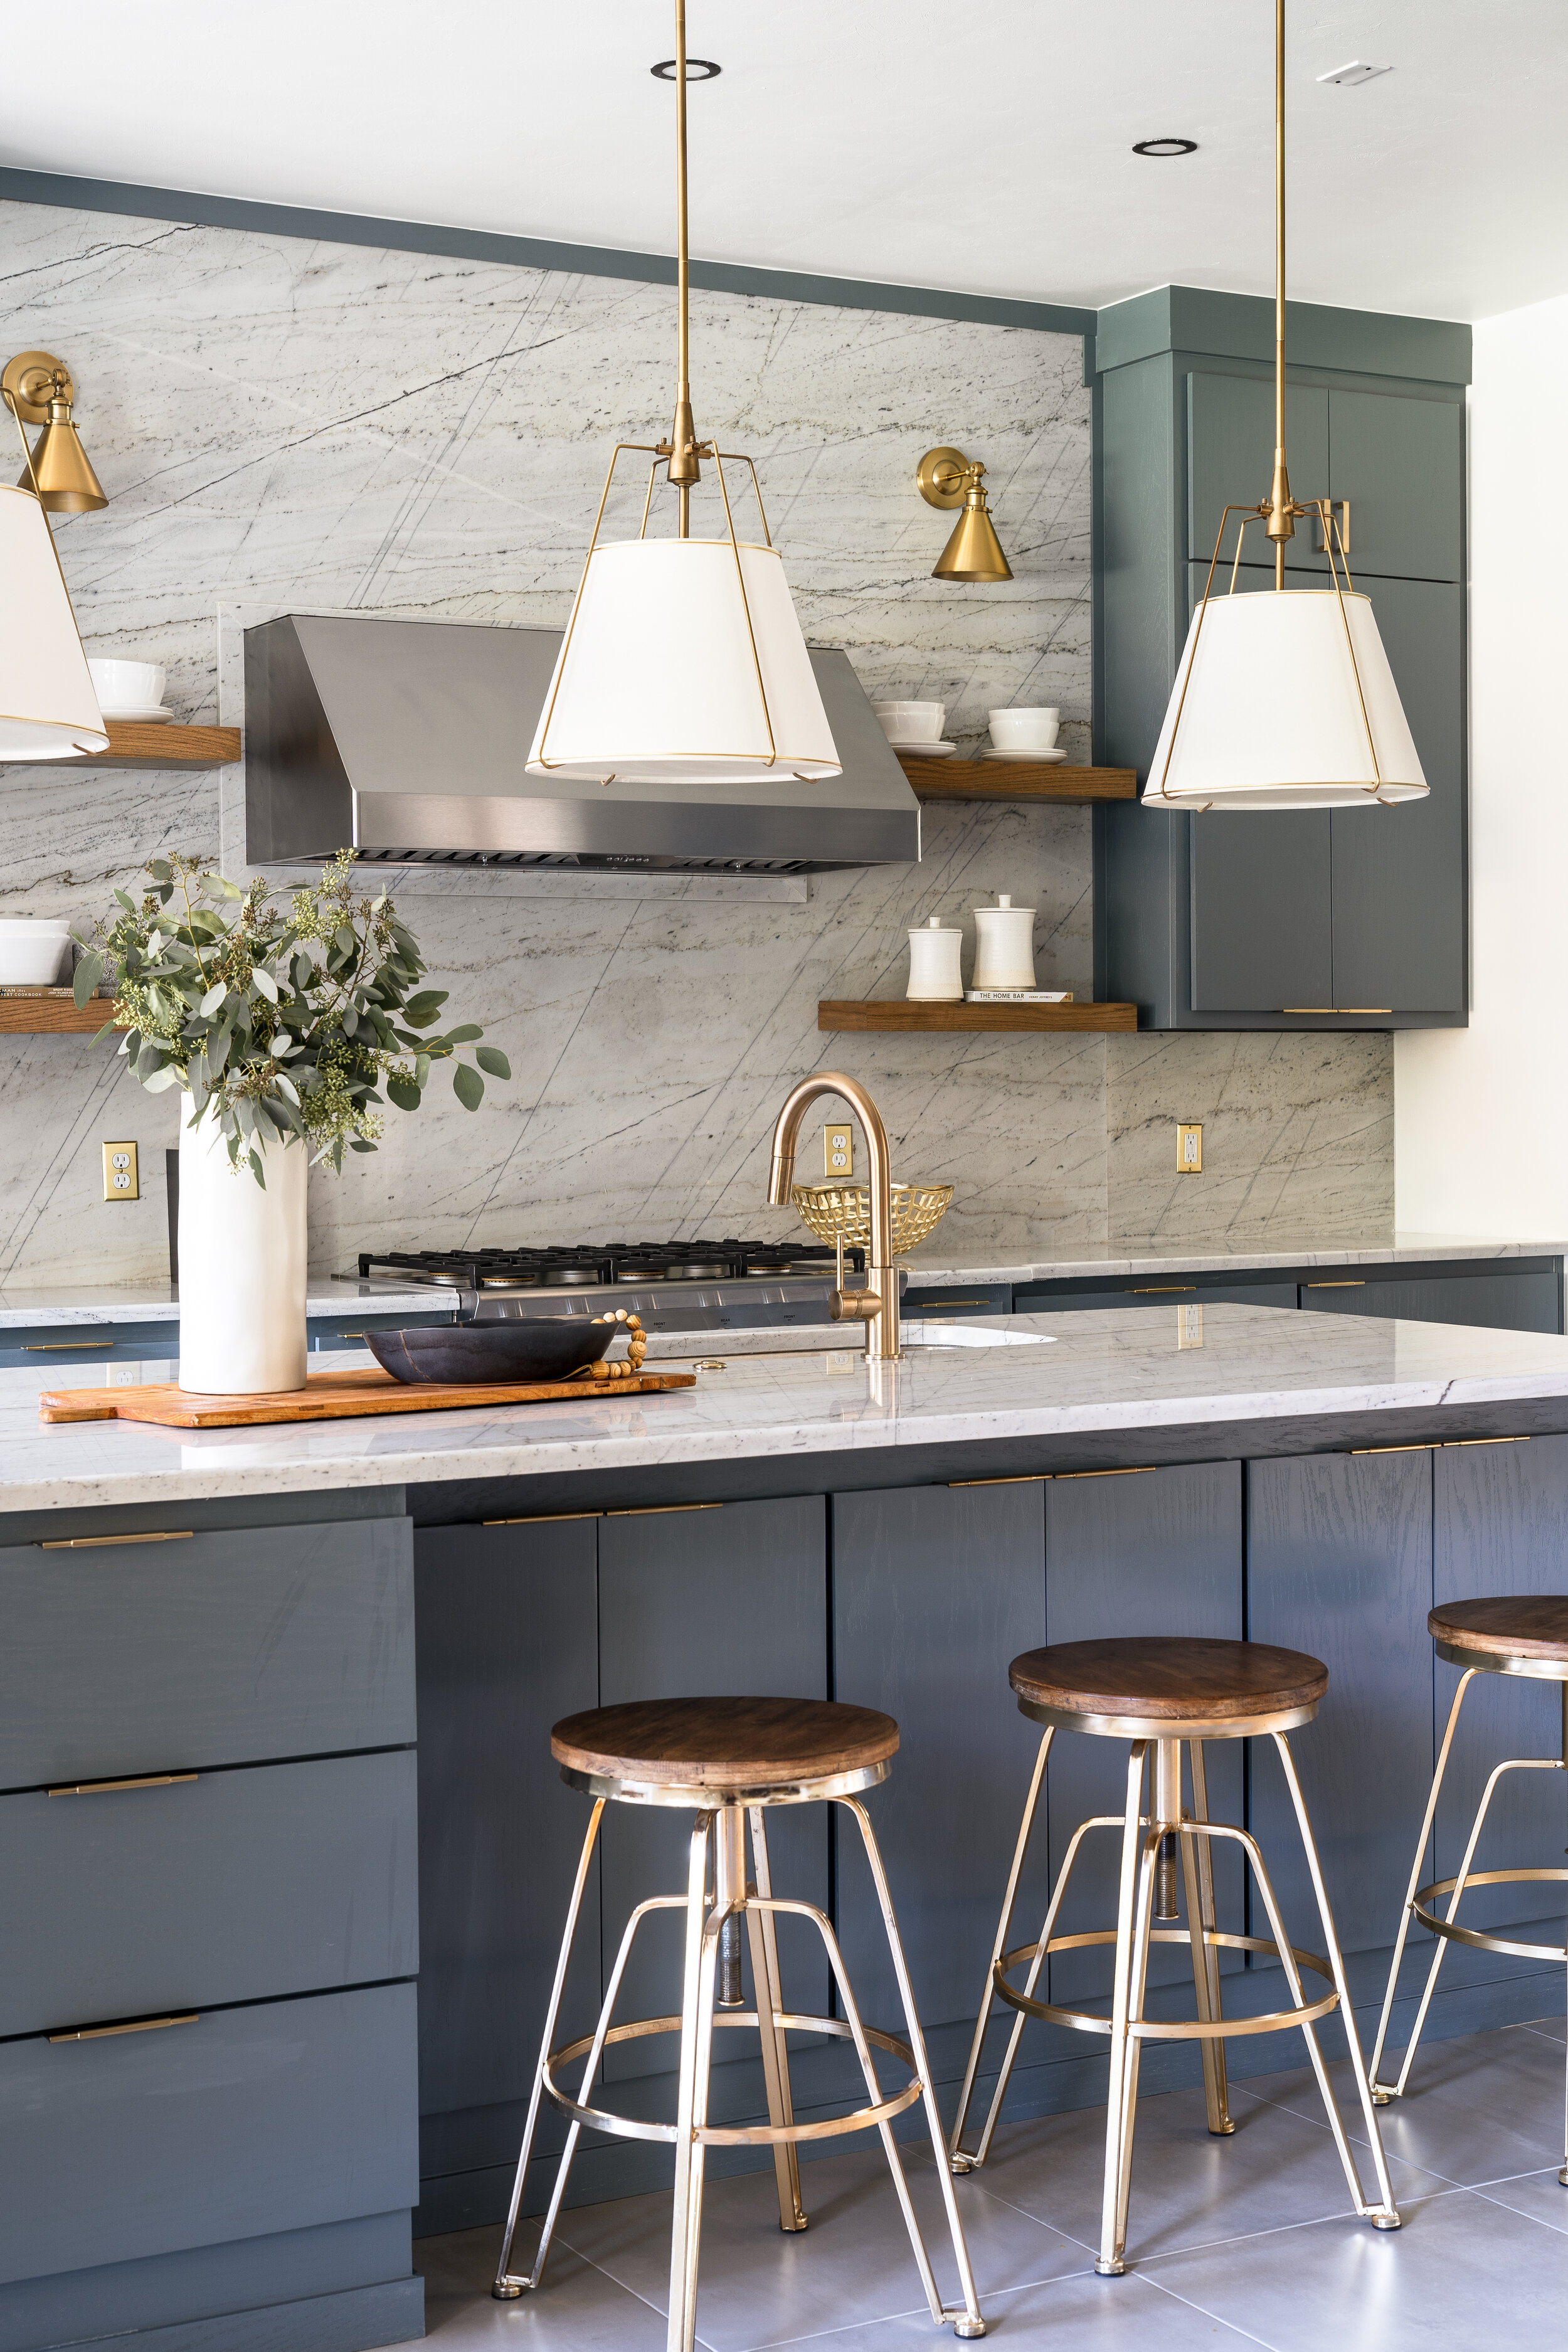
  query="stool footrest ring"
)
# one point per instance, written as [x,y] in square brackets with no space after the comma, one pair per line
[734,2134]
[1146,2029]
[1456,1933]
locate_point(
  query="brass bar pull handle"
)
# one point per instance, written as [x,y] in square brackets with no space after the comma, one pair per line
[95,1543]
[930,1306]
[60,1347]
[107,1787]
[659,1510]
[1133,1470]
[1336,1008]
[1341,510]
[1333,1285]
[139,2025]
[1158,1289]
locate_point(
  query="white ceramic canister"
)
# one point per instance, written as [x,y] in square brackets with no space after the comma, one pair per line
[1004,945]
[242,1266]
[936,968]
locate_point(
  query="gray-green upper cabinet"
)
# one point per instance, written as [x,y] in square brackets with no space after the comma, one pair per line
[1312,919]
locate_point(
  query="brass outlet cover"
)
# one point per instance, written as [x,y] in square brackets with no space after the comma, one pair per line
[29,379]
[1189,1150]
[940,477]
[121,1181]
[839,1152]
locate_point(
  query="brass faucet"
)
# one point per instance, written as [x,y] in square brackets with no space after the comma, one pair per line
[876,1303]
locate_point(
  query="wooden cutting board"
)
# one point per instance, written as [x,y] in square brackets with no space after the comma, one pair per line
[327,1396]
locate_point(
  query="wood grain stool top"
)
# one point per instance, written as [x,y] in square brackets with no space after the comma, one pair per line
[724,1744]
[1169,1678]
[1516,1624]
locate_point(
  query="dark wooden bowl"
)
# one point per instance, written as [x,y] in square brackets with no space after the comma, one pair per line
[461,1354]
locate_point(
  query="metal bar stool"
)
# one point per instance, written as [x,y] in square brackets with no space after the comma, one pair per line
[1523,1634]
[727,1760]
[1163,1694]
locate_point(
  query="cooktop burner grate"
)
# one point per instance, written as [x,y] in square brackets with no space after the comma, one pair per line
[596,1264]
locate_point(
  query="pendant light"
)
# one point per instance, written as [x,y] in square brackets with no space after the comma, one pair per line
[683,662]
[48,707]
[1283,700]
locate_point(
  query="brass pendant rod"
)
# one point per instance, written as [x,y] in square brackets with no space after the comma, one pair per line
[683,466]
[1280,268]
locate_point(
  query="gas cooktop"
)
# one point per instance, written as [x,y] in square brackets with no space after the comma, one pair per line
[595,1264]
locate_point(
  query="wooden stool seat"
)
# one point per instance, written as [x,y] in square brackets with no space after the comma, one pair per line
[724,1745]
[1168,1679]
[1512,1625]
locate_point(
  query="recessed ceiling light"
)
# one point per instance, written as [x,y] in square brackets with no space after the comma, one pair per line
[1348,76]
[697,70]
[1166,147]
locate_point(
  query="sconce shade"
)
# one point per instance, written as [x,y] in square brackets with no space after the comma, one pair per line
[67,483]
[974,552]
[1267,711]
[657,681]
[48,707]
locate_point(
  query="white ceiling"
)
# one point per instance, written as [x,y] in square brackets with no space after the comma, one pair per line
[984,148]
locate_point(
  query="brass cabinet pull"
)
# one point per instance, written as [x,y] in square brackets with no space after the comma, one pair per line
[140,2025]
[1019,1478]
[541,1518]
[1139,1470]
[924,1306]
[1333,1285]
[105,1788]
[659,1510]
[1336,1008]
[93,1543]
[1158,1289]
[60,1347]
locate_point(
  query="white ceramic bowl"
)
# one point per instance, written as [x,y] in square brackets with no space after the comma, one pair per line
[910,722]
[127,685]
[1025,730]
[34,952]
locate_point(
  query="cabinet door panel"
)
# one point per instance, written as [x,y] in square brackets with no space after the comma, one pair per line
[1230,461]
[1500,1515]
[936,1590]
[708,1604]
[1153,1552]
[1502,1302]
[1400,464]
[507,1643]
[1164,1293]
[1340,1565]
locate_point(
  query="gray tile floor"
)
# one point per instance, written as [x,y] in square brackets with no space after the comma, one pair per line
[1239,2242]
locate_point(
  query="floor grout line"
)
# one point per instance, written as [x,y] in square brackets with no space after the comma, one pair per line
[1202,2308]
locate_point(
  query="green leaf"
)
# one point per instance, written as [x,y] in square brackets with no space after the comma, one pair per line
[357,1145]
[421,1011]
[265,983]
[85,979]
[169,1075]
[212,999]
[106,1031]
[462,1036]
[129,903]
[222,883]
[469,1086]
[403,1093]
[492,1058]
[160,869]
[256,1170]
[421,1069]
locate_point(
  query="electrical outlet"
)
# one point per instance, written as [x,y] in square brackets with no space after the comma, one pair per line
[120,1181]
[1189,1326]
[1189,1150]
[838,1152]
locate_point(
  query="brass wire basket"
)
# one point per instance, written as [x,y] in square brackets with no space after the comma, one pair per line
[842,1213]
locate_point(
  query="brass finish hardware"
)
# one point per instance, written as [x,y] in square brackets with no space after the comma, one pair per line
[37,390]
[122,1177]
[1450,1442]
[1189,1149]
[95,1543]
[931,1306]
[60,1347]
[541,1518]
[946,478]
[940,477]
[839,1152]
[881,1280]
[1357,1284]
[1439,1446]
[1159,1289]
[1019,1478]
[1140,1470]
[1429,1447]
[660,1510]
[107,1787]
[142,2025]
[1340,523]
[711,1363]
[1336,1008]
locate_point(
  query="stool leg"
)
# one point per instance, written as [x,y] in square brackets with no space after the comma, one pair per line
[692,2097]
[959,2159]
[1382,2092]
[1387,2215]
[968,2321]
[1197,1871]
[506,2288]
[1127,1913]
[767,1990]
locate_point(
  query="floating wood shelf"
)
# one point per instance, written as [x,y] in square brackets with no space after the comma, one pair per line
[898,1013]
[1016,780]
[159,746]
[53,1015]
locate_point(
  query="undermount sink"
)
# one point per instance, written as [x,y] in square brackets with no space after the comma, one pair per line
[830,1338]
[933,1334]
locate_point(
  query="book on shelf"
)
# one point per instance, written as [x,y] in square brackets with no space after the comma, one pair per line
[1017,996]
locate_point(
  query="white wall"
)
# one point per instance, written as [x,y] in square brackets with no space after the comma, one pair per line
[1481,1114]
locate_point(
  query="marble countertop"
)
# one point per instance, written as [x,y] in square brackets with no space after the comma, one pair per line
[23,1304]
[1116,1369]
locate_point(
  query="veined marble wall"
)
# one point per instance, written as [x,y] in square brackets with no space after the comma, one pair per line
[289,426]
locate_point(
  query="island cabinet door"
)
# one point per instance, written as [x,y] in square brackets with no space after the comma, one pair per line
[934,1589]
[726,1601]
[1340,1565]
[1501,1527]
[1139,1553]
[507,1643]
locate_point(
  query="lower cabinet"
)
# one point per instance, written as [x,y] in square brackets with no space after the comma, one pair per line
[1507,1299]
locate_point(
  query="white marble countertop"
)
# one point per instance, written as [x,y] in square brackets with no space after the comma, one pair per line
[23,1304]
[1120,1369]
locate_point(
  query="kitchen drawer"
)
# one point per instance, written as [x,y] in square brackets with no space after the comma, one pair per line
[959,1298]
[246,2122]
[1504,1301]
[1153,1291]
[240,1885]
[52,1349]
[225,1646]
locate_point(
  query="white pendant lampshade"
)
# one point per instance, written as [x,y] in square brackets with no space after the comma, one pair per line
[658,678]
[48,707]
[1269,710]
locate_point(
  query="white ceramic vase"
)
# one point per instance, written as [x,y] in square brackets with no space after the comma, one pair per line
[936,972]
[242,1266]
[1003,945]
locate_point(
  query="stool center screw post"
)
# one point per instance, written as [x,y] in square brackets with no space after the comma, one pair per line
[1166,1813]
[729,1887]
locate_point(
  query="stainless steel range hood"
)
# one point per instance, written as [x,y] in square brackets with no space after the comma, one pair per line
[407,740]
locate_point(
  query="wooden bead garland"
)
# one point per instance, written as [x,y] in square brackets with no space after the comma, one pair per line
[636,1349]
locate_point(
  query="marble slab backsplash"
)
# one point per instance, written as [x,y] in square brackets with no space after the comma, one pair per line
[282,425]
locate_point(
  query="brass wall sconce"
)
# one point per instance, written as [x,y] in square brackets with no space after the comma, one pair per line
[37,390]
[946,478]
